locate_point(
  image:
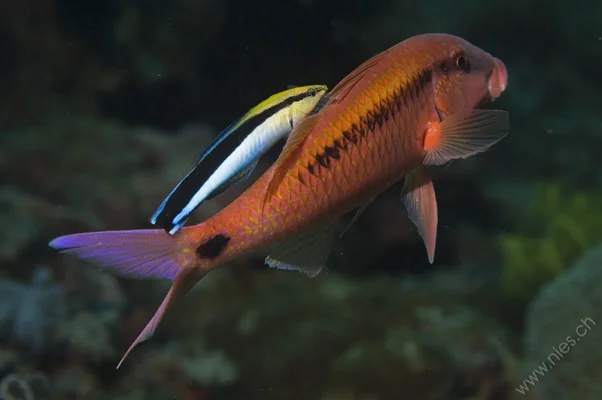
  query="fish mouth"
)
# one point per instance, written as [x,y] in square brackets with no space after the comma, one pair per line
[498,80]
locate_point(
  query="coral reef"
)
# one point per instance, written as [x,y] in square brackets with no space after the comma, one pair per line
[413,340]
[564,329]
[29,313]
[18,387]
[558,229]
[104,106]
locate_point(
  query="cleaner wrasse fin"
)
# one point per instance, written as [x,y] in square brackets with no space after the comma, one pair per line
[245,141]
[146,254]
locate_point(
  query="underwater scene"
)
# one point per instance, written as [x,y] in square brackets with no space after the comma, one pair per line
[304,200]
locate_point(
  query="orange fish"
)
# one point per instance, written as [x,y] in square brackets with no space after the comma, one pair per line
[410,106]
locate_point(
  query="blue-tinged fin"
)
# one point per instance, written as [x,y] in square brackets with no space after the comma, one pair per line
[148,253]
[142,254]
[260,120]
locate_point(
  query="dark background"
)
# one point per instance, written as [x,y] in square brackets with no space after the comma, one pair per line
[103,106]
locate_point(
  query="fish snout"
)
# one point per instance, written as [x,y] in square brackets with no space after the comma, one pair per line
[498,79]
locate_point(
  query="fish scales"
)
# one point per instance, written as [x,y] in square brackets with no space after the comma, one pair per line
[411,106]
[373,149]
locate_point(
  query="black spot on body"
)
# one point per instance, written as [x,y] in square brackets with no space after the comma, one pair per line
[350,136]
[385,112]
[332,152]
[358,131]
[323,160]
[379,118]
[368,123]
[371,121]
[213,247]
[393,106]
[341,144]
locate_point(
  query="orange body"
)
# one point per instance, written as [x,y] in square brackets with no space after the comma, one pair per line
[368,136]
[412,105]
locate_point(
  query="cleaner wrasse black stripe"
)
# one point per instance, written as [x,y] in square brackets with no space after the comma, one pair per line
[245,140]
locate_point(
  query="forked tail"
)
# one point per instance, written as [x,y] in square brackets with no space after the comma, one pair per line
[146,254]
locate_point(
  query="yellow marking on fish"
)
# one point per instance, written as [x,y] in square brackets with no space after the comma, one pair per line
[280,98]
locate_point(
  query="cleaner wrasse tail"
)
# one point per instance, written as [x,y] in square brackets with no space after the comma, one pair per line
[142,254]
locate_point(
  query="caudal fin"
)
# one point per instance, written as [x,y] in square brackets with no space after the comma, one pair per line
[147,254]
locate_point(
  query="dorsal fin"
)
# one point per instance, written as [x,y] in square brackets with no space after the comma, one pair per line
[290,150]
[342,89]
[302,130]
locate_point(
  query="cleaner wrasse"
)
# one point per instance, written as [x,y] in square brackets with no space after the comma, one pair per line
[249,138]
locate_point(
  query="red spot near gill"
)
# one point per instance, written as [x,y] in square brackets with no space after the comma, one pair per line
[433,134]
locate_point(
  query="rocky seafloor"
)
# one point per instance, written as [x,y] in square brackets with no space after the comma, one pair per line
[103,110]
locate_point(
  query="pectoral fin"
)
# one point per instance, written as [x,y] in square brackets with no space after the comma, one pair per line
[306,252]
[463,135]
[418,196]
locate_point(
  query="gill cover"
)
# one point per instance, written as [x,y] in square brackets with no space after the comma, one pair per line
[466,78]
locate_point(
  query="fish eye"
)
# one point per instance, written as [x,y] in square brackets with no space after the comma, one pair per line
[462,63]
[312,92]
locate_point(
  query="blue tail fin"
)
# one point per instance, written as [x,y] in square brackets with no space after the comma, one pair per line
[146,254]
[140,254]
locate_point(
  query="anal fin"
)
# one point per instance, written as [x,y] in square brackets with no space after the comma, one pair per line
[306,252]
[418,196]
